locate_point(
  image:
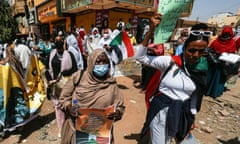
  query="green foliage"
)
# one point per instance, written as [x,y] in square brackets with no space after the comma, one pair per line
[8,25]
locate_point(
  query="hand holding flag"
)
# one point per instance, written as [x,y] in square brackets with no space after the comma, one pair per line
[121,46]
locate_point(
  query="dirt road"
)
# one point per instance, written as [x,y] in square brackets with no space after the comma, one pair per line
[218,121]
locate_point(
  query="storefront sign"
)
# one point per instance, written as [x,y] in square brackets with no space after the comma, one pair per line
[47,11]
[72,4]
[50,13]
[145,3]
[32,16]
[46,14]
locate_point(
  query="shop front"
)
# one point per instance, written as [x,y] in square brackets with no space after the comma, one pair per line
[97,18]
[94,12]
[50,22]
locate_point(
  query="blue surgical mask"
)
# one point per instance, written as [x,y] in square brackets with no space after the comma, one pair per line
[101,70]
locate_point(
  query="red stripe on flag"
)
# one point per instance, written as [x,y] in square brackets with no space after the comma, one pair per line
[126,40]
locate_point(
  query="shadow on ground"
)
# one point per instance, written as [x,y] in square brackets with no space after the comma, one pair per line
[231,141]
[32,126]
[136,136]
[136,81]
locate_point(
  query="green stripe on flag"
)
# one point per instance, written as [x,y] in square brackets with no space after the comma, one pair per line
[117,40]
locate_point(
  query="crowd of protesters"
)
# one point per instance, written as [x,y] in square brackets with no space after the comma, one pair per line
[64,54]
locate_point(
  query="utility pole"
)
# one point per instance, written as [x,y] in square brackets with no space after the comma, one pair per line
[197,19]
[27,17]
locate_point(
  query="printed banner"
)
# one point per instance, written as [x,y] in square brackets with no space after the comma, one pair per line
[73,4]
[145,3]
[20,98]
[170,10]
[92,126]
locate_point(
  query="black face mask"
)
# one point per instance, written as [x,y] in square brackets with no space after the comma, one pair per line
[226,36]
[59,51]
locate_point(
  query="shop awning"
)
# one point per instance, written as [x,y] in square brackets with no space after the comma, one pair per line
[79,6]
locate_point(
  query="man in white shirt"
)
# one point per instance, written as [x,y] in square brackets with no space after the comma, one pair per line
[23,53]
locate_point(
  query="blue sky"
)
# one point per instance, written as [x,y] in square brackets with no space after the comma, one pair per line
[204,9]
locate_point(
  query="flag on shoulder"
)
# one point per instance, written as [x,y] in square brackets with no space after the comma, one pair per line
[121,46]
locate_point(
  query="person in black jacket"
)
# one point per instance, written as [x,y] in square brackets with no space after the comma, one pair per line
[60,63]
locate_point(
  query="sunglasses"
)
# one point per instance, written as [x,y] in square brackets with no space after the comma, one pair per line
[204,33]
[194,50]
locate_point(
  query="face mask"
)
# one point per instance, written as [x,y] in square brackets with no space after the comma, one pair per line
[95,33]
[105,35]
[60,50]
[101,70]
[226,36]
[201,64]
[130,35]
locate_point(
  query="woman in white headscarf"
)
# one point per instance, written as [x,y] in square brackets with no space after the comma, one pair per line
[96,35]
[106,39]
[74,49]
[145,30]
[90,45]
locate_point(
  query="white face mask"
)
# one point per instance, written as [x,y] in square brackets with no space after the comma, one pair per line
[105,36]
[130,35]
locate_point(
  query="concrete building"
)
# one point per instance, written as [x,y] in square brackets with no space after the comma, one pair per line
[63,15]
[49,16]
[225,18]
[18,13]
[25,24]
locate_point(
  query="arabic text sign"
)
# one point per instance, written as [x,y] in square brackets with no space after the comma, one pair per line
[170,10]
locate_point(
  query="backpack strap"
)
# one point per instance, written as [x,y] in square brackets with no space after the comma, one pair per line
[80,77]
[176,60]
[152,87]
[161,78]
[167,70]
